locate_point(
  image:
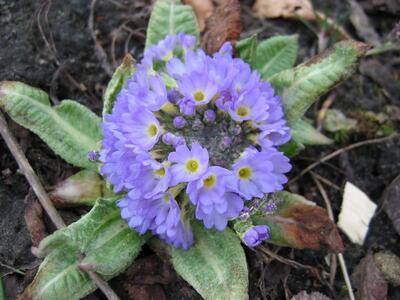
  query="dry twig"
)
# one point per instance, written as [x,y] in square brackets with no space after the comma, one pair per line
[28,172]
[264,251]
[339,255]
[103,286]
[15,270]
[99,50]
[340,151]
[322,112]
[326,181]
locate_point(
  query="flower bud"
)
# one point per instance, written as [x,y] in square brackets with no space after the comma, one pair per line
[179,122]
[209,116]
[173,96]
[256,235]
[93,155]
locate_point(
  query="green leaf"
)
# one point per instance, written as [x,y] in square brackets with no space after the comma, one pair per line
[300,87]
[2,295]
[215,265]
[304,133]
[170,17]
[100,241]
[291,148]
[82,188]
[276,54]
[59,277]
[70,129]
[247,49]
[121,74]
[336,121]
[299,223]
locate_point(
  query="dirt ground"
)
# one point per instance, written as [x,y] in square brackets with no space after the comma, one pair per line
[53,46]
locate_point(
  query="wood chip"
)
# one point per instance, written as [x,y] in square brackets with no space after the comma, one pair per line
[356,213]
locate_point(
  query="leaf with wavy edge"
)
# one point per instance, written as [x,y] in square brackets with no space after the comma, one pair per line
[301,86]
[70,129]
[215,265]
[59,277]
[117,82]
[276,54]
[304,133]
[247,49]
[104,241]
[170,17]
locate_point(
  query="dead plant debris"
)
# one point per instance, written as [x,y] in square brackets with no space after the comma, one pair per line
[222,26]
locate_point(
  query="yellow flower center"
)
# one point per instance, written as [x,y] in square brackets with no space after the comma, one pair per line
[160,172]
[243,111]
[210,181]
[152,130]
[192,165]
[199,96]
[245,173]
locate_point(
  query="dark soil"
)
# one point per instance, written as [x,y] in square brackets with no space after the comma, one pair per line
[48,44]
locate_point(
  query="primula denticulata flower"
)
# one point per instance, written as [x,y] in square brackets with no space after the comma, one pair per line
[256,235]
[193,136]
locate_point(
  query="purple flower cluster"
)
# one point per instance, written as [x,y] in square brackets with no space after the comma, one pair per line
[168,125]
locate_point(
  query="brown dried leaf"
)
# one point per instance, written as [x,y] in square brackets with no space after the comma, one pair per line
[203,10]
[391,202]
[34,219]
[301,224]
[224,25]
[303,295]
[290,9]
[312,228]
[369,280]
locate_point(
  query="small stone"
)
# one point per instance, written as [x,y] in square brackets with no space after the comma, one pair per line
[389,264]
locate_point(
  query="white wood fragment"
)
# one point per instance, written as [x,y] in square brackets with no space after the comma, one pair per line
[356,213]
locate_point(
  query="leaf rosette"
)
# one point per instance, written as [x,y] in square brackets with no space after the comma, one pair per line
[185,136]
